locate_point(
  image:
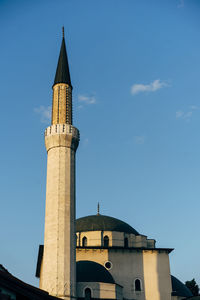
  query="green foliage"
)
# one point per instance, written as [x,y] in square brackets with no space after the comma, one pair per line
[193,287]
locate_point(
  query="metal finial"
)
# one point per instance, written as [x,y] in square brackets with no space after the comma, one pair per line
[98,208]
[63,31]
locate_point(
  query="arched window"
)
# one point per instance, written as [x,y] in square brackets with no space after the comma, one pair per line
[87,294]
[125,242]
[137,285]
[106,241]
[84,241]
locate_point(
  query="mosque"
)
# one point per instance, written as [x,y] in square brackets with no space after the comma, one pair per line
[93,257]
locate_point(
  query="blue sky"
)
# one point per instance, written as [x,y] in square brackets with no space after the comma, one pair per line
[135,70]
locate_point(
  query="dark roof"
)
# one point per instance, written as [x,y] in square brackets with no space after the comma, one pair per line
[90,271]
[193,298]
[2,268]
[21,289]
[105,223]
[62,71]
[179,289]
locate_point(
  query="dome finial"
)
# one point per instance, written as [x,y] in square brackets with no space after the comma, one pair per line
[63,32]
[98,208]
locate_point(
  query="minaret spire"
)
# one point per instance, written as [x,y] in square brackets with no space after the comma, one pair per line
[63,32]
[62,89]
[62,71]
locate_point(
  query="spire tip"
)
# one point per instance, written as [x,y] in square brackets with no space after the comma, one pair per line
[63,31]
[98,209]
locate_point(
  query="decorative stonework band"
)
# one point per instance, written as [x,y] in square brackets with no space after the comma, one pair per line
[61,135]
[62,129]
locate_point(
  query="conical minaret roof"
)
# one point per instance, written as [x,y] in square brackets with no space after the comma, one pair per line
[62,71]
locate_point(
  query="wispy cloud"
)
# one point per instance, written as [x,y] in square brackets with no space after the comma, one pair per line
[87,99]
[184,115]
[44,112]
[181,4]
[151,87]
[187,115]
[139,139]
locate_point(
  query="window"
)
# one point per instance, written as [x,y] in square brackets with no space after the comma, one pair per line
[108,265]
[125,242]
[106,241]
[84,241]
[87,294]
[137,285]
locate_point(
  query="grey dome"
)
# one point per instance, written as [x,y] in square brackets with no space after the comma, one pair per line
[179,289]
[90,271]
[103,223]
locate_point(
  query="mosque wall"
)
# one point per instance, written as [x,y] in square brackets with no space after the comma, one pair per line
[157,279]
[100,290]
[116,239]
[150,267]
[98,255]
[127,267]
[93,238]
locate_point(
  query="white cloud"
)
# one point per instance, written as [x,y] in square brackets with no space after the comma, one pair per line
[181,4]
[187,115]
[152,87]
[87,99]
[44,112]
[139,139]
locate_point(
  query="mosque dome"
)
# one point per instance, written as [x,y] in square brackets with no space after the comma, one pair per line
[103,223]
[90,271]
[179,289]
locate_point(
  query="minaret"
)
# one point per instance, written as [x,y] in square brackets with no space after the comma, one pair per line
[58,270]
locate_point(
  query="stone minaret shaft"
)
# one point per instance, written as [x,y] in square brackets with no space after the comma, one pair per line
[58,270]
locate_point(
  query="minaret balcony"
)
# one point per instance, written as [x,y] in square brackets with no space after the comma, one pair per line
[62,135]
[62,129]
